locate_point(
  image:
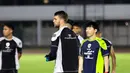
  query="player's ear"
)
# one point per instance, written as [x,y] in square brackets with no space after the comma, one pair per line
[95,30]
[11,31]
[100,34]
[62,20]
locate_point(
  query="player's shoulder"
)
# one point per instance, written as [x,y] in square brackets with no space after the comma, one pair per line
[106,40]
[16,39]
[99,39]
[101,43]
[84,41]
[80,37]
[2,38]
[66,30]
[57,34]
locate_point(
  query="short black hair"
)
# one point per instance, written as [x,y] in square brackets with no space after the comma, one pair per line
[11,26]
[77,24]
[93,24]
[71,22]
[62,14]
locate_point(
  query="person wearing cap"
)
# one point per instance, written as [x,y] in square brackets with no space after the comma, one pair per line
[10,50]
[93,57]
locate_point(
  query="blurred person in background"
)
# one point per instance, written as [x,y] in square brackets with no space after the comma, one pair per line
[70,23]
[64,46]
[45,1]
[93,57]
[10,50]
[78,30]
[111,51]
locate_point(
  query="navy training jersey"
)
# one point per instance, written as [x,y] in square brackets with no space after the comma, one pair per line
[9,50]
[93,53]
[64,50]
[108,43]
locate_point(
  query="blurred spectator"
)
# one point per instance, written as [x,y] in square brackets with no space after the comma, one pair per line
[45,1]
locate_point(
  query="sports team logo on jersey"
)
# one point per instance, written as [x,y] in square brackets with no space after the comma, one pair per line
[89,52]
[89,45]
[7,45]
[20,44]
[70,37]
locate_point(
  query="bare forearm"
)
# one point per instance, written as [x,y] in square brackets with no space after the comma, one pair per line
[114,64]
[19,56]
[113,56]
[106,61]
[80,64]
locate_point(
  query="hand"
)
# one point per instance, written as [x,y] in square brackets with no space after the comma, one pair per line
[47,58]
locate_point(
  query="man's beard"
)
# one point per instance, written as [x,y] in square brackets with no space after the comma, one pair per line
[56,26]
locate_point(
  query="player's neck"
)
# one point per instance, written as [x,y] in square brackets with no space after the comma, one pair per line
[62,25]
[92,38]
[9,37]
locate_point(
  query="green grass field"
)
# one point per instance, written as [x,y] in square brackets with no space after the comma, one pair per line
[35,63]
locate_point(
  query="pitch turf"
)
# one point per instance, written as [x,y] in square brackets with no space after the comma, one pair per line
[35,63]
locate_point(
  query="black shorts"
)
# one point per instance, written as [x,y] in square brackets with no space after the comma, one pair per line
[8,71]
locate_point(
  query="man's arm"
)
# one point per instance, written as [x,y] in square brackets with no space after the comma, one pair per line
[52,55]
[19,48]
[80,64]
[19,52]
[105,53]
[80,68]
[54,46]
[19,56]
[106,61]
[112,54]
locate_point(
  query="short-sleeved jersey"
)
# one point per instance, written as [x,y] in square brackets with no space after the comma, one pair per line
[108,43]
[80,39]
[93,53]
[65,50]
[9,50]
